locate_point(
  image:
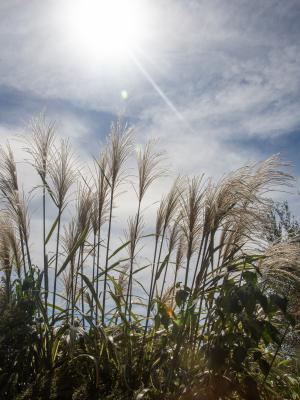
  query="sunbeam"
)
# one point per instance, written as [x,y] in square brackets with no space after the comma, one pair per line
[160,92]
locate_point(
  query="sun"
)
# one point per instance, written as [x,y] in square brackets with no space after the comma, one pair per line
[105,29]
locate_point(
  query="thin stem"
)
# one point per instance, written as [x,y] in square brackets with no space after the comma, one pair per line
[158,261]
[72,291]
[94,270]
[150,295]
[82,295]
[56,263]
[98,270]
[129,289]
[203,242]
[46,281]
[28,253]
[76,275]
[164,279]
[22,249]
[107,251]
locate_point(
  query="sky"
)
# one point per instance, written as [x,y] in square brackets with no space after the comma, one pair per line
[216,81]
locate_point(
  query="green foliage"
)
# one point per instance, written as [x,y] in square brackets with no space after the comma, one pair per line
[235,354]
[285,228]
[18,336]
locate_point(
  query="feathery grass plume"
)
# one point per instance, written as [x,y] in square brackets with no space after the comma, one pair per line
[10,251]
[133,236]
[40,148]
[159,226]
[232,240]
[234,212]
[237,207]
[172,239]
[191,213]
[219,202]
[84,208]
[62,173]
[6,264]
[160,217]
[70,237]
[99,214]
[269,175]
[169,209]
[180,254]
[249,216]
[281,259]
[69,240]
[149,162]
[192,204]
[15,200]
[101,185]
[118,149]
[166,211]
[67,281]
[225,213]
[264,177]
[62,177]
[40,143]
[123,278]
[14,244]
[248,186]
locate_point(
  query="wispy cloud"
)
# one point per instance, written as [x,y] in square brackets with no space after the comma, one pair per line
[230,70]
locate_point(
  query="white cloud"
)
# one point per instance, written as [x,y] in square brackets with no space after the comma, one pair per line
[230,68]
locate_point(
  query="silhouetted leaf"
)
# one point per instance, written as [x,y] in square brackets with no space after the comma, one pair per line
[239,354]
[250,277]
[181,296]
[251,389]
[281,302]
[217,357]
[264,366]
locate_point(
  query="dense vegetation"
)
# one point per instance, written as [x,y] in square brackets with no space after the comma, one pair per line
[187,307]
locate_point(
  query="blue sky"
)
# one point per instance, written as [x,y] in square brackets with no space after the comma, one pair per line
[217,81]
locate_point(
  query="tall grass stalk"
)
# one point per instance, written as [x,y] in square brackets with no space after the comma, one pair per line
[99,214]
[40,148]
[149,169]
[119,148]
[62,177]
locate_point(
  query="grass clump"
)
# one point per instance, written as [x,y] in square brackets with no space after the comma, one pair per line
[183,309]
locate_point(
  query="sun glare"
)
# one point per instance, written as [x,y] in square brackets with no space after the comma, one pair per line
[107,29]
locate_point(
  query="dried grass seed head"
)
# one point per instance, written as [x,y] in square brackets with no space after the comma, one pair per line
[84,206]
[62,173]
[134,233]
[10,250]
[100,204]
[150,168]
[192,203]
[119,147]
[282,259]
[40,143]
[16,203]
